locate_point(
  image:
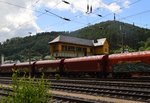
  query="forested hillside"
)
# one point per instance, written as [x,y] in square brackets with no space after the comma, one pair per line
[134,38]
[37,46]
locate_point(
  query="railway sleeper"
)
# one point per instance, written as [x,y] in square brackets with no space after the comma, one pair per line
[101,92]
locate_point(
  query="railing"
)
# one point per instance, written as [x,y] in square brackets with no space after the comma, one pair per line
[69,54]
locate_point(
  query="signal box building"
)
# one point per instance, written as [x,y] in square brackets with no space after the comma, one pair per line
[67,47]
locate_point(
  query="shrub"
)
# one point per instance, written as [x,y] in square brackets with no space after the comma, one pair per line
[57,76]
[28,90]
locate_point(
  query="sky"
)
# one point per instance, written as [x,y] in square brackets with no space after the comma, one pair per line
[20,18]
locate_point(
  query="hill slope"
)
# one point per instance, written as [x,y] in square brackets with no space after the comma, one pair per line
[37,46]
[132,35]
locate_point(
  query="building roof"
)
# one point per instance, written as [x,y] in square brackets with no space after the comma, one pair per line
[99,42]
[74,40]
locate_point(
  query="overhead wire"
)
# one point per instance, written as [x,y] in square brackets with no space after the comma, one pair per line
[143,12]
[41,13]
[91,12]
[8,3]
[117,10]
[34,4]
[53,14]
[133,15]
[46,11]
[32,19]
[73,20]
[99,8]
[26,22]
[57,15]
[66,19]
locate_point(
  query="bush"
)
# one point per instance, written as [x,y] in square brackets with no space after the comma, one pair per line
[28,90]
[57,76]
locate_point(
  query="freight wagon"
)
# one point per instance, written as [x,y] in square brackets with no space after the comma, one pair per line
[123,65]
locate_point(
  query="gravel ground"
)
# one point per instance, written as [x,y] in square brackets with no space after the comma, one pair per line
[84,96]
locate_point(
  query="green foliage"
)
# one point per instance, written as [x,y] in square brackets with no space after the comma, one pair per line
[132,35]
[148,48]
[28,90]
[57,76]
[37,46]
[131,67]
[145,45]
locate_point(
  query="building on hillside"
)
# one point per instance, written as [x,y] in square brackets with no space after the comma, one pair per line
[66,47]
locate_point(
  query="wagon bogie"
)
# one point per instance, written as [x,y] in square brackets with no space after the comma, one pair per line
[48,67]
[6,69]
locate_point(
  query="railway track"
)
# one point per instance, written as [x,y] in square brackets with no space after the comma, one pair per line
[123,93]
[56,98]
[138,91]
[137,85]
[146,80]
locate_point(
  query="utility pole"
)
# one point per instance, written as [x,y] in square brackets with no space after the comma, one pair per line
[29,54]
[2,54]
[123,34]
[123,49]
[29,51]
[2,59]
[114,17]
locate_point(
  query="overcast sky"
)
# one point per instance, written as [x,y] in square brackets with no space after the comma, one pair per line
[19,17]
